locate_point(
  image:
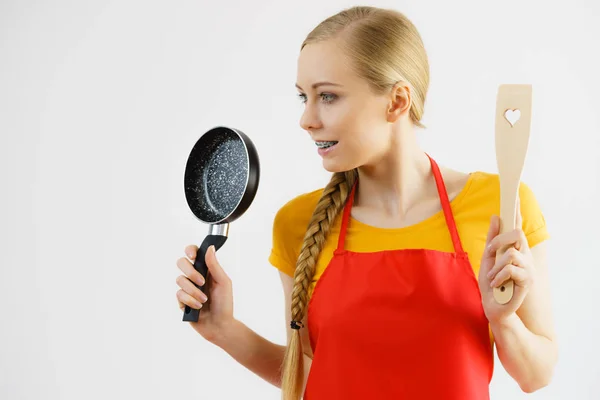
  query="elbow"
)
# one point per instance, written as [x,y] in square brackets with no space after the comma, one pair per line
[534,386]
[544,375]
[539,381]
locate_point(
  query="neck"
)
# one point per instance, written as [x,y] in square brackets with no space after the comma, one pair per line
[396,181]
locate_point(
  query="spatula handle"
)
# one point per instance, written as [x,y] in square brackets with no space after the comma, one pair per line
[508,218]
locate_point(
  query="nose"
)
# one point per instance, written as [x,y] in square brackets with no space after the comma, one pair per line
[310,119]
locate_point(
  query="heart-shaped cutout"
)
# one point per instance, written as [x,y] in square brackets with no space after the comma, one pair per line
[512,116]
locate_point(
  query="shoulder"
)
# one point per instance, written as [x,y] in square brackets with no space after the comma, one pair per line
[299,208]
[289,227]
[484,194]
[487,184]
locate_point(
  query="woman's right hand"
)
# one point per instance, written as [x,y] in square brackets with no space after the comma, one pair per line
[215,318]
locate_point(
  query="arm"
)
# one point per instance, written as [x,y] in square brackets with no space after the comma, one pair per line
[526,341]
[253,351]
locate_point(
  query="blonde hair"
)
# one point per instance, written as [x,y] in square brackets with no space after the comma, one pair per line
[384,48]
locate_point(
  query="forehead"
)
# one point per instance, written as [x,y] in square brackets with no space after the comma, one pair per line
[323,61]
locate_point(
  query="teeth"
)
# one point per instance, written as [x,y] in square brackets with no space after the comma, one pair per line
[324,145]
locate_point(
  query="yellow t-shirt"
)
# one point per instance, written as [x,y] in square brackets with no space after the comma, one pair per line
[472,208]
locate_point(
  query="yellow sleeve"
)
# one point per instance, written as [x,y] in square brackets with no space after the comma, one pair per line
[289,227]
[534,224]
[282,254]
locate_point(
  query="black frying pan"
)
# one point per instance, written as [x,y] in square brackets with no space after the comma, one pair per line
[221,180]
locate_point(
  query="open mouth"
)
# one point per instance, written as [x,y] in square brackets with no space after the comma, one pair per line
[325,145]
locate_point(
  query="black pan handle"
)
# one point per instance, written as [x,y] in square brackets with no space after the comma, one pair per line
[191,314]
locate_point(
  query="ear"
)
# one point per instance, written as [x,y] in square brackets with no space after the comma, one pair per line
[400,101]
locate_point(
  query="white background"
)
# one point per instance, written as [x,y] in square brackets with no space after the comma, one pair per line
[100,104]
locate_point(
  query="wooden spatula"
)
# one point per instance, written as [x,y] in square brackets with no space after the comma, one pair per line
[513,122]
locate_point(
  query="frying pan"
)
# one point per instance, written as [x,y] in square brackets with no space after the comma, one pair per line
[220,182]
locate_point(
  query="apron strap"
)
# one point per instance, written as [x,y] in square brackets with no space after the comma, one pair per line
[346,217]
[445,201]
[439,181]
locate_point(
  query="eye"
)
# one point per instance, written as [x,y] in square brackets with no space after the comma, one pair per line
[328,98]
[331,97]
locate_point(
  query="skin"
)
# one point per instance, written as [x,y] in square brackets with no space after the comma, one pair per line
[376,136]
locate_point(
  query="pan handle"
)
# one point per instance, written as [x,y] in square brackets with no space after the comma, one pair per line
[191,314]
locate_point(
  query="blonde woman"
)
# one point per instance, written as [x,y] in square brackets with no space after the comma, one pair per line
[388,271]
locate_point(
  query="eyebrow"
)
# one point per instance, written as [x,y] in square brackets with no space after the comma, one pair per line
[316,85]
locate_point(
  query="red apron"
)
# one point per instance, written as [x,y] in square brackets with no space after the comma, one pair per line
[399,324]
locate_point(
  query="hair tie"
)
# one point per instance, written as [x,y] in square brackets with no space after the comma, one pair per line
[297,325]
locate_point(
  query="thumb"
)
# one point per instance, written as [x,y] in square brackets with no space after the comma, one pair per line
[493,230]
[488,258]
[215,269]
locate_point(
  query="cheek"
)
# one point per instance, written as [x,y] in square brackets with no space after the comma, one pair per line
[339,115]
[366,132]
[343,123]
[356,125]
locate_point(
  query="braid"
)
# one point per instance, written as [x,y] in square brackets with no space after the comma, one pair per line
[330,204]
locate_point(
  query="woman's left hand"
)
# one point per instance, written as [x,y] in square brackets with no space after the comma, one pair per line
[516,263]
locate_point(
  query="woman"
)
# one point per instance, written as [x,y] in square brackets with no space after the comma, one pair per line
[389,291]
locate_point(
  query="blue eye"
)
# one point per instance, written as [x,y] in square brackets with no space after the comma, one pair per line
[328,98]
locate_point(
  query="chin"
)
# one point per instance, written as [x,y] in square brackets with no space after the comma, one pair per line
[332,166]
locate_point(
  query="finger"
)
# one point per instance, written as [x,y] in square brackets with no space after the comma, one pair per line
[188,287]
[517,274]
[214,267]
[492,231]
[188,300]
[504,240]
[515,238]
[191,251]
[188,269]
[522,243]
[512,256]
